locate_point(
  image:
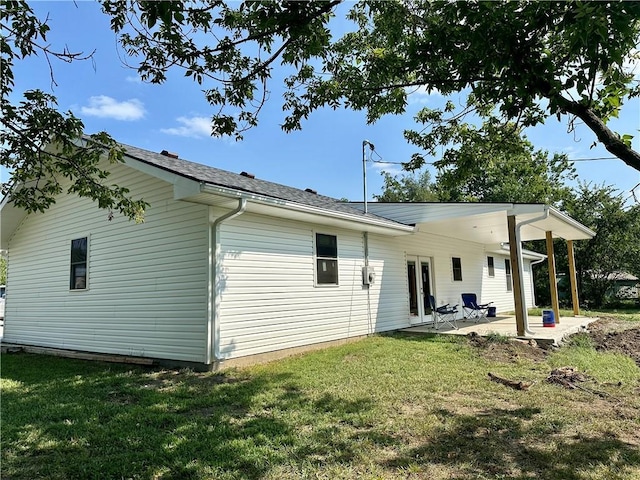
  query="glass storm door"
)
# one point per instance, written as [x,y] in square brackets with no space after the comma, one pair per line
[419,278]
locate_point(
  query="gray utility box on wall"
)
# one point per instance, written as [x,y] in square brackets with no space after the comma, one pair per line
[368,275]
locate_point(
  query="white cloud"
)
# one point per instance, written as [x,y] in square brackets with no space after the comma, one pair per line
[632,64]
[133,79]
[107,107]
[195,127]
[391,168]
[420,95]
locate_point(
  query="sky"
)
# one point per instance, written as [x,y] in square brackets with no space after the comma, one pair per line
[325,156]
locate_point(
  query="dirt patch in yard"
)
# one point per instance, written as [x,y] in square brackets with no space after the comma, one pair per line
[507,350]
[610,334]
[607,334]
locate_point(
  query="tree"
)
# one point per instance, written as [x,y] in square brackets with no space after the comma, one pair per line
[407,188]
[40,145]
[519,62]
[614,249]
[490,163]
[3,271]
[497,163]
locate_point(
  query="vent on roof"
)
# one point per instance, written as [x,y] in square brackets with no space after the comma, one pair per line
[166,153]
[311,190]
[247,174]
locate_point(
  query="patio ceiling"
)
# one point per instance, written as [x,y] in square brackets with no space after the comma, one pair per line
[484,223]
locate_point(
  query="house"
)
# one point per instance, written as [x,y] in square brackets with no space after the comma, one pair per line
[624,285]
[229,267]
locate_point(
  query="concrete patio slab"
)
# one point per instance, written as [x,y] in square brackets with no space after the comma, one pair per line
[506,325]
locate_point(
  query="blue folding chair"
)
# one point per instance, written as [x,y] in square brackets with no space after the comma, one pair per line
[443,314]
[472,310]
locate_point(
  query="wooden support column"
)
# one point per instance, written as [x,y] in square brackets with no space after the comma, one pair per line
[573,279]
[515,275]
[553,284]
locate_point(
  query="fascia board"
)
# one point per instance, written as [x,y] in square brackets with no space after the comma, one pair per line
[572,222]
[152,170]
[232,193]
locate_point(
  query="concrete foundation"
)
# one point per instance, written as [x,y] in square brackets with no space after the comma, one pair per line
[506,325]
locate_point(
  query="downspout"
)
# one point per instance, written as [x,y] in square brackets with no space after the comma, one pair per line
[533,287]
[521,266]
[366,249]
[213,350]
[366,272]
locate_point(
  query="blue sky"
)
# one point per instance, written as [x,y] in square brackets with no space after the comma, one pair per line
[326,155]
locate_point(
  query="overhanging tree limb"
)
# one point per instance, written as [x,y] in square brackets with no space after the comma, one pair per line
[609,139]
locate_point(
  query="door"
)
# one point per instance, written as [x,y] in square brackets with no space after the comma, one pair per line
[420,287]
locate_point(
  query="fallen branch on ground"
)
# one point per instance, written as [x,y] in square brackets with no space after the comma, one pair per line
[511,383]
[568,378]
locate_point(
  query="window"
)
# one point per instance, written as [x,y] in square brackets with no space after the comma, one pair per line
[326,259]
[78,277]
[507,271]
[456,264]
[492,269]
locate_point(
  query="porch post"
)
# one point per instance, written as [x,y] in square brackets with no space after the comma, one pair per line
[515,275]
[572,278]
[553,285]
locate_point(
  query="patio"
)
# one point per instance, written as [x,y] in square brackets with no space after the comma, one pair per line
[506,325]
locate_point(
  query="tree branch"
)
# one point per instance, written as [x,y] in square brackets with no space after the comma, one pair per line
[610,139]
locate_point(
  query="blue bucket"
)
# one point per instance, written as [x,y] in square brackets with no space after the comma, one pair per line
[548,318]
[491,312]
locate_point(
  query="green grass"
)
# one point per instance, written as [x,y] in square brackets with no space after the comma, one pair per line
[392,406]
[496,337]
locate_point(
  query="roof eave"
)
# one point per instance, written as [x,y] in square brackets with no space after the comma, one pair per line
[397,228]
[574,223]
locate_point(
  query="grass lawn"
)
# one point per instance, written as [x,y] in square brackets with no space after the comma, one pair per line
[395,406]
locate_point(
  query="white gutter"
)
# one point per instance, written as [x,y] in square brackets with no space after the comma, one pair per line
[298,207]
[213,337]
[523,300]
[540,260]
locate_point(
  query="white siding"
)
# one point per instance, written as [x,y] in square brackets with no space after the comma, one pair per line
[494,289]
[147,292]
[475,272]
[148,283]
[441,249]
[269,300]
[389,294]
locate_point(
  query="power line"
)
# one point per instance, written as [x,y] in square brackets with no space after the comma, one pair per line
[592,159]
[632,192]
[589,159]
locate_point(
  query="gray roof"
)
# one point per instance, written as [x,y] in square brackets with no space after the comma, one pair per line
[223,178]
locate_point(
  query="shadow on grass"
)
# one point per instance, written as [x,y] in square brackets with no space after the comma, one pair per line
[502,443]
[85,420]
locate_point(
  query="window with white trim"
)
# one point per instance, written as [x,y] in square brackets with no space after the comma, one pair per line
[491,267]
[326,259]
[507,271]
[79,258]
[456,265]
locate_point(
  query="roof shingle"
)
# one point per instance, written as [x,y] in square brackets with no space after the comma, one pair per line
[223,178]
